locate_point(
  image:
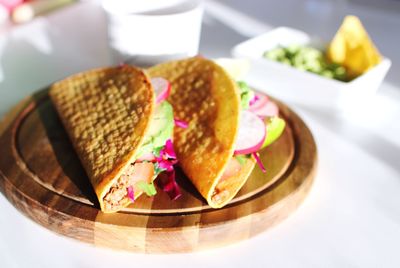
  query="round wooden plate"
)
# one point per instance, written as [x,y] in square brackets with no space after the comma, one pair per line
[41,176]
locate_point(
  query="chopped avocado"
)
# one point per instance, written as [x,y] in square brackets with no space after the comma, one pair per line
[161,128]
[246,94]
[275,127]
[307,58]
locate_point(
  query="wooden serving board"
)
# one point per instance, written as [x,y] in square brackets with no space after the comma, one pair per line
[41,176]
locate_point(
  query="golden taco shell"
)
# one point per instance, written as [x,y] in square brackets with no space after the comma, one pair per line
[205,96]
[106,113]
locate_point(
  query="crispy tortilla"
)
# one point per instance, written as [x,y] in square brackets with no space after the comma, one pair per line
[205,96]
[106,113]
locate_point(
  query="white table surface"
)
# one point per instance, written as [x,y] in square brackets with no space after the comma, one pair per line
[351,217]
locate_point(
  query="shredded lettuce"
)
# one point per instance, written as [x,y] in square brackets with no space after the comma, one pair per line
[242,158]
[246,94]
[148,188]
[157,150]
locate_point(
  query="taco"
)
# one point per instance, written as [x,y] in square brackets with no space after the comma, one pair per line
[205,96]
[120,133]
[227,125]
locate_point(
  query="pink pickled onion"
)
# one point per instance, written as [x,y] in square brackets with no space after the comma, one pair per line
[180,123]
[258,160]
[166,161]
[167,157]
[165,164]
[254,100]
[261,100]
[169,149]
[171,187]
[131,195]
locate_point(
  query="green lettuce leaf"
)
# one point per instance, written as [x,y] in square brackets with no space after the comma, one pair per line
[246,94]
[148,188]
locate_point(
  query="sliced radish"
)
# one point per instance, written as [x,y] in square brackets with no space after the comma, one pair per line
[180,123]
[261,100]
[269,109]
[162,88]
[252,132]
[10,4]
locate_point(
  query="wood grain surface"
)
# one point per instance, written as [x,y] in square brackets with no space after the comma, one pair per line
[42,177]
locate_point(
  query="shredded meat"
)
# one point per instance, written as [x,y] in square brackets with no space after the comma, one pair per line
[221,190]
[219,195]
[118,192]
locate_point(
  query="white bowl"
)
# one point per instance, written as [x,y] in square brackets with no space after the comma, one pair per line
[152,31]
[292,85]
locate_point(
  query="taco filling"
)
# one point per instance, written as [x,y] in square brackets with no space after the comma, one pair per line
[241,163]
[227,180]
[153,157]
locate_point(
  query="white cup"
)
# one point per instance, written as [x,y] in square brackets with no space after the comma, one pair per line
[146,32]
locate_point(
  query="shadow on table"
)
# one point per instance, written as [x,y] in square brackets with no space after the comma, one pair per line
[376,146]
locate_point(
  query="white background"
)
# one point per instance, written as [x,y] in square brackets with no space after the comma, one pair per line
[351,218]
